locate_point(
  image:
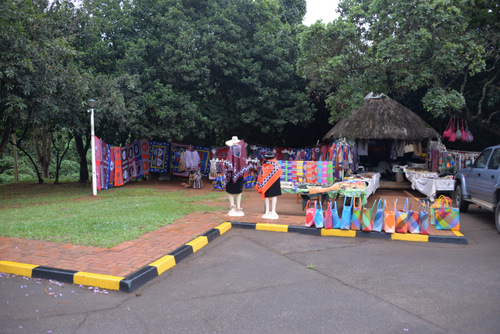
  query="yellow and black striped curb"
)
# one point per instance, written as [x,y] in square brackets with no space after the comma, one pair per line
[456,238]
[158,267]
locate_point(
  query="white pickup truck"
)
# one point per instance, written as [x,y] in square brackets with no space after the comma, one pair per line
[479,183]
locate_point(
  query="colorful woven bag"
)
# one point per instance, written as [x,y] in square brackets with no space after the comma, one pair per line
[357,216]
[345,221]
[335,216]
[328,216]
[390,219]
[402,219]
[447,217]
[318,214]
[424,218]
[309,214]
[366,221]
[378,218]
[413,221]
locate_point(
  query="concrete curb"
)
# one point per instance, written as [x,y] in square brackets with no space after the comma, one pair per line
[158,267]
[458,237]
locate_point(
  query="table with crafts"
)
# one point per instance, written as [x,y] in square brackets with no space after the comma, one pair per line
[359,186]
[428,183]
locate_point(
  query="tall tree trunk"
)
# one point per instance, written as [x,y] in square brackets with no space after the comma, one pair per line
[16,166]
[42,145]
[82,153]
[5,137]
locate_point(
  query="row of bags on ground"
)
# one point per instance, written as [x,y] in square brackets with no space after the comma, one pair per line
[380,218]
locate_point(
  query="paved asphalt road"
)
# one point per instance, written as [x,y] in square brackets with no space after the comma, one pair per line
[267,282]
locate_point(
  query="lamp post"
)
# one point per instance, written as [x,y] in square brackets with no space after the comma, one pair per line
[92,103]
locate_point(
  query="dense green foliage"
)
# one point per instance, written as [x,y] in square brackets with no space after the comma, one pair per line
[439,58]
[201,71]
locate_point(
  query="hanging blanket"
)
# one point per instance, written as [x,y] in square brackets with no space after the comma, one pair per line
[268,174]
[159,152]
[144,156]
[118,167]
[138,160]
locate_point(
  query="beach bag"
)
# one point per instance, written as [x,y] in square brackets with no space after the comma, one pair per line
[309,214]
[449,129]
[447,217]
[357,216]
[345,221]
[328,216]
[378,218]
[434,207]
[458,133]
[318,214]
[413,221]
[335,216]
[366,221]
[424,218]
[402,219]
[390,219]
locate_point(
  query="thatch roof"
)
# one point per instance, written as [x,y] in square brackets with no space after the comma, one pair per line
[382,118]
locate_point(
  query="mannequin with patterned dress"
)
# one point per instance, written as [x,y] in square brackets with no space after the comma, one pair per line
[268,184]
[236,167]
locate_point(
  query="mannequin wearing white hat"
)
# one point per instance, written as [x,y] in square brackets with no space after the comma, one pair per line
[236,167]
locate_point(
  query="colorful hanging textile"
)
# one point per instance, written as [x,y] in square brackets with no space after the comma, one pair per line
[159,153]
[125,173]
[111,169]
[138,160]
[144,144]
[118,167]
[102,163]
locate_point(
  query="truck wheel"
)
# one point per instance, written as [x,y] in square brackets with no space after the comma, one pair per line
[497,217]
[462,204]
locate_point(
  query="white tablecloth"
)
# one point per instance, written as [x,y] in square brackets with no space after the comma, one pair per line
[429,183]
[373,185]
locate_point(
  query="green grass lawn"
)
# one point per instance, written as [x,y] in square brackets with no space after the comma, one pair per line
[67,213]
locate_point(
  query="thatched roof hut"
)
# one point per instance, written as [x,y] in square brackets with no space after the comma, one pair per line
[382,118]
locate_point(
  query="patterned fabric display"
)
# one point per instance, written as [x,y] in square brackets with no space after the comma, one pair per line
[111,169]
[357,216]
[118,167]
[144,144]
[138,160]
[159,152]
[125,174]
[132,165]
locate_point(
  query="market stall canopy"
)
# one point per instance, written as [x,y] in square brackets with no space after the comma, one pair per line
[382,118]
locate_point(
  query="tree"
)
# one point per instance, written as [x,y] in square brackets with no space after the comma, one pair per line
[436,49]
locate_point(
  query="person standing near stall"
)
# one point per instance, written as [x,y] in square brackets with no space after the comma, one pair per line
[236,167]
[269,185]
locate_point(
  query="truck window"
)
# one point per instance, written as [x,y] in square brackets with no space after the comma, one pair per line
[495,160]
[482,159]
